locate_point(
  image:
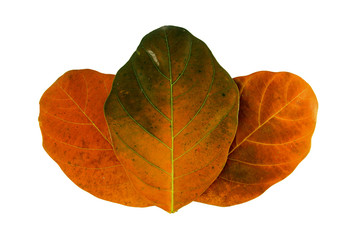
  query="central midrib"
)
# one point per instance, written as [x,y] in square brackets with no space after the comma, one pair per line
[171,125]
[172,145]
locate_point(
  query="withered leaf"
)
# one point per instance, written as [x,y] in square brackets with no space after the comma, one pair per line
[277,119]
[172,114]
[76,136]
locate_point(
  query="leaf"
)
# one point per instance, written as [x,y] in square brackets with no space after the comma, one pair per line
[76,136]
[277,118]
[172,114]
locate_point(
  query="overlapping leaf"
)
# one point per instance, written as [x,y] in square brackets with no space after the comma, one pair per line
[172,114]
[277,118]
[76,136]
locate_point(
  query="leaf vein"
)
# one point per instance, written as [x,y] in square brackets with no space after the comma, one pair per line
[187,62]
[90,168]
[74,146]
[171,125]
[238,182]
[152,60]
[262,98]
[140,156]
[146,96]
[279,144]
[208,133]
[142,127]
[147,184]
[196,170]
[295,119]
[106,89]
[87,92]
[202,105]
[262,165]
[266,121]
[85,114]
[54,116]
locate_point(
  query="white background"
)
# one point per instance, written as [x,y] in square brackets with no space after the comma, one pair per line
[317,40]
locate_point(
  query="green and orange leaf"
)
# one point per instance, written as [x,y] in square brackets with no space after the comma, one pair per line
[172,114]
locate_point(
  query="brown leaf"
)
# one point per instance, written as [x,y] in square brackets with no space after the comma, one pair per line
[76,136]
[172,114]
[277,118]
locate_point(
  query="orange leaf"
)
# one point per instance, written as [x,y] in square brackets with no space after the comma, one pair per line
[172,114]
[76,136]
[277,118]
